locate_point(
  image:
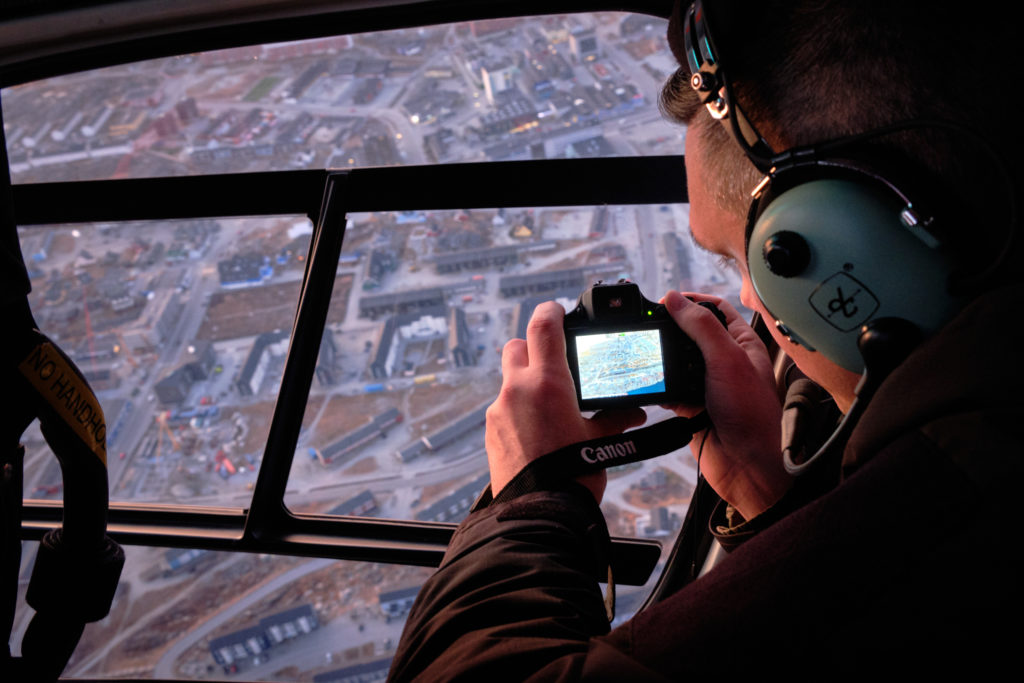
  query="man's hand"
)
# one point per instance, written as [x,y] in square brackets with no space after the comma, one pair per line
[741,455]
[536,410]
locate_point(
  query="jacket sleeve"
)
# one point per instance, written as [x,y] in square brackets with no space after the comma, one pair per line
[515,593]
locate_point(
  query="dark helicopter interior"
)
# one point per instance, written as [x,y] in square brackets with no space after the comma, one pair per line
[284,243]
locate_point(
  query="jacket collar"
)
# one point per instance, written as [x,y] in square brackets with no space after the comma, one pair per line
[973,365]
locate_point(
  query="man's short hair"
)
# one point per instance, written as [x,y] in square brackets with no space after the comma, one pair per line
[732,173]
[806,71]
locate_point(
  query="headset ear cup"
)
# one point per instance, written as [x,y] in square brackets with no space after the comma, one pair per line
[829,255]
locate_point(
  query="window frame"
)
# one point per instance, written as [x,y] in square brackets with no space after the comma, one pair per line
[326,197]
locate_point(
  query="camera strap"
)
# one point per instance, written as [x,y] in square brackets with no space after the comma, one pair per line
[556,469]
[586,457]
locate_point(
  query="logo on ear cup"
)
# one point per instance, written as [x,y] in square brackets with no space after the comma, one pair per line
[844,302]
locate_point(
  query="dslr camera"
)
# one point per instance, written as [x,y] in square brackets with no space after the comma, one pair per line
[626,351]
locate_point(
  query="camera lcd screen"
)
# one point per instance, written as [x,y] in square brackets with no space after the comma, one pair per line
[620,363]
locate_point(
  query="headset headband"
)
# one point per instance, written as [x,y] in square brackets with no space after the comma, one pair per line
[709,81]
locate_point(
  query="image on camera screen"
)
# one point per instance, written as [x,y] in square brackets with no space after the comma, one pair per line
[620,363]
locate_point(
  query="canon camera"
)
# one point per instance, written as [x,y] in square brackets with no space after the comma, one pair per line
[626,351]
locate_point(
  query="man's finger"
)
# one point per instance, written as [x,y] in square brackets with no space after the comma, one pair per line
[727,309]
[514,355]
[545,337]
[702,326]
[739,328]
[683,409]
[617,421]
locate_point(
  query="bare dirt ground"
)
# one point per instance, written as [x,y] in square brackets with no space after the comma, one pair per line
[254,310]
[364,466]
[435,492]
[345,413]
[144,625]
[259,416]
[425,400]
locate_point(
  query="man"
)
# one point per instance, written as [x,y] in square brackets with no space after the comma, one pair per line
[902,560]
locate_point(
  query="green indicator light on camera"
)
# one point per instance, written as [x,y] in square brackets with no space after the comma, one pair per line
[650,312]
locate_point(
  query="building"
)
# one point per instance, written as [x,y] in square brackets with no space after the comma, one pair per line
[455,506]
[200,361]
[173,389]
[399,330]
[290,624]
[596,146]
[556,283]
[144,328]
[166,125]
[437,144]
[298,86]
[466,425]
[515,150]
[513,113]
[498,77]
[384,347]
[477,259]
[376,428]
[409,301]
[431,103]
[412,451]
[187,110]
[244,270]
[265,348]
[362,505]
[460,347]
[456,430]
[367,672]
[235,648]
[397,602]
[550,281]
[183,558]
[524,310]
[583,44]
[663,522]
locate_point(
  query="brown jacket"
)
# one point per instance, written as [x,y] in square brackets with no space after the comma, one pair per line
[908,565]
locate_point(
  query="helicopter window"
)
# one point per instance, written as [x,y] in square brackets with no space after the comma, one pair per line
[394,425]
[181,328]
[188,614]
[540,87]
[183,304]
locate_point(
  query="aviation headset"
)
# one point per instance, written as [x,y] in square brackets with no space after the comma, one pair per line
[846,262]
[832,244]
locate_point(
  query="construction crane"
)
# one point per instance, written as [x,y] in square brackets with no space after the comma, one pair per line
[163,428]
[123,346]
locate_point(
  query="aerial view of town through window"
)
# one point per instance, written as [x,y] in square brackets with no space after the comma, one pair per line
[182,327]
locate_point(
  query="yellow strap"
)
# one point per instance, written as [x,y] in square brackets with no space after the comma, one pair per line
[61,387]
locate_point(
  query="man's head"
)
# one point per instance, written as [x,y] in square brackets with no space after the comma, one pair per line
[807,71]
